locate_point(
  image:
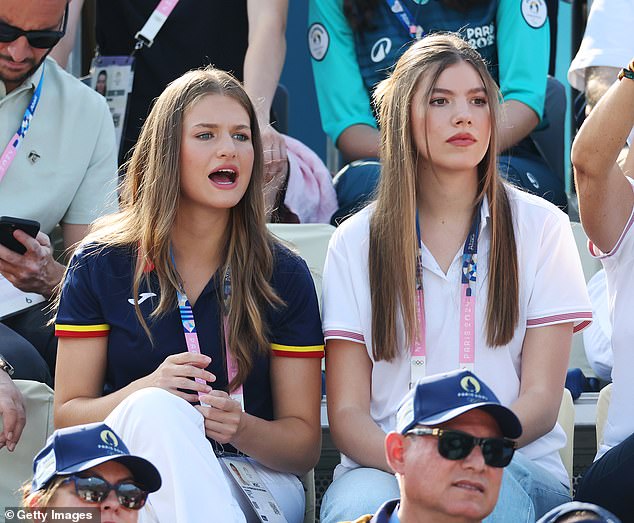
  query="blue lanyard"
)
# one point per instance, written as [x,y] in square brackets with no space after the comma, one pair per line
[469,254]
[191,336]
[11,150]
[404,16]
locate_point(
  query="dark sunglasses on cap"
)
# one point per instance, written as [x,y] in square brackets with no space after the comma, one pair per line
[455,445]
[94,489]
[41,39]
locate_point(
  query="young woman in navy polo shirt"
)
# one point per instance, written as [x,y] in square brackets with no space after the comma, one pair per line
[185,291]
[403,299]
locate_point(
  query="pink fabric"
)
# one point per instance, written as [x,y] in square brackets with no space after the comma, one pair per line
[309,194]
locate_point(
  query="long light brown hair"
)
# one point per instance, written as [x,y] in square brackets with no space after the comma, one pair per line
[393,244]
[150,196]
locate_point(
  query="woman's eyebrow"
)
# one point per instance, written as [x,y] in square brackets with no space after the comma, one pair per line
[442,90]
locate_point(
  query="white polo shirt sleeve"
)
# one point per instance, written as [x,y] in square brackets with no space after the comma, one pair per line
[346,282]
[559,293]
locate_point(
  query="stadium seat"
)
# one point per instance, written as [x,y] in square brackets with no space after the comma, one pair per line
[566,420]
[602,411]
[17,466]
[310,240]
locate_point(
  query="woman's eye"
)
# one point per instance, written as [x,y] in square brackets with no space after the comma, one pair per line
[438,101]
[480,101]
[204,136]
[241,137]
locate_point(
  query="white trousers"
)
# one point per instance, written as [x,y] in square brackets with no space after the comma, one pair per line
[169,432]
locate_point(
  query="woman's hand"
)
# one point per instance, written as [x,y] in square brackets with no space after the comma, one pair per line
[179,371]
[224,417]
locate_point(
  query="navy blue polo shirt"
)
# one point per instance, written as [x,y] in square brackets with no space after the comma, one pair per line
[97,300]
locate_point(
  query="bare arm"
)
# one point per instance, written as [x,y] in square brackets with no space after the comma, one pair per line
[81,369]
[359,141]
[605,196]
[598,80]
[348,380]
[518,122]
[62,50]
[545,355]
[291,441]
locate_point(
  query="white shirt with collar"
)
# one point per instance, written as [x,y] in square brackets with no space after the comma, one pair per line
[66,168]
[552,290]
[618,270]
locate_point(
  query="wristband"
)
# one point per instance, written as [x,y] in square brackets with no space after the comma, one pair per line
[6,366]
[627,72]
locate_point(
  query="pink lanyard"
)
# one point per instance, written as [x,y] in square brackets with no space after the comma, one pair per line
[418,365]
[191,336]
[11,150]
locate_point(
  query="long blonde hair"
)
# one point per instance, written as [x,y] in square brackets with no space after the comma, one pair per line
[150,195]
[392,250]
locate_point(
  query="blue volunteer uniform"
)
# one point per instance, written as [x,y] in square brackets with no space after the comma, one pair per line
[512,35]
[97,300]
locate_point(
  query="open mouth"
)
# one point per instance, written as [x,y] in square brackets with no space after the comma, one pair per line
[223,176]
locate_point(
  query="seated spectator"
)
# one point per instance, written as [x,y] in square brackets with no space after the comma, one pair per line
[355,43]
[606,207]
[451,267]
[453,438]
[607,44]
[244,37]
[59,167]
[576,512]
[89,466]
[221,314]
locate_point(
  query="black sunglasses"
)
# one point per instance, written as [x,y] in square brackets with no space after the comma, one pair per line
[94,489]
[41,39]
[455,445]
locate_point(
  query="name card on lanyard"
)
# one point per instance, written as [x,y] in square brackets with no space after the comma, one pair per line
[418,356]
[11,150]
[113,76]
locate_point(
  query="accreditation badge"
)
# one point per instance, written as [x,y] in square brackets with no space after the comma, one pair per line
[112,77]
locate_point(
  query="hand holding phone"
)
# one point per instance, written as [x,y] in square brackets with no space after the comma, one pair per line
[8,224]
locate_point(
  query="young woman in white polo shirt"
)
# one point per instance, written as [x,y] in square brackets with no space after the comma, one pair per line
[402,297]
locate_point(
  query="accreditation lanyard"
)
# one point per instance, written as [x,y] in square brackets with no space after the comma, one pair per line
[191,335]
[404,16]
[11,150]
[153,25]
[418,365]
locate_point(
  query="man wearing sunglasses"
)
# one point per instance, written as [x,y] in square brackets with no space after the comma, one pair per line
[452,441]
[57,166]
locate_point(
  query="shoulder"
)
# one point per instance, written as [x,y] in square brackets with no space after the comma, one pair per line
[530,210]
[102,258]
[66,89]
[355,231]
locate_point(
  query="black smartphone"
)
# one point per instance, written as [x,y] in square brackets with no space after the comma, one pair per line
[9,224]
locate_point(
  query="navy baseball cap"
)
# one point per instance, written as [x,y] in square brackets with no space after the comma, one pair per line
[594,513]
[75,449]
[442,397]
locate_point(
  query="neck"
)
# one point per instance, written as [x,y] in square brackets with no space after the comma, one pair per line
[447,195]
[198,237]
[414,513]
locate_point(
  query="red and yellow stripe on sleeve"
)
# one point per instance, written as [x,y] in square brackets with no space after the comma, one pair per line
[292,351]
[81,331]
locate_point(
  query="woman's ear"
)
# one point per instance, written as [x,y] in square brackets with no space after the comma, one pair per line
[395,451]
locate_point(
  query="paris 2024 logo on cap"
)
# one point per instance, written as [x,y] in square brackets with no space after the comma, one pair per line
[471,390]
[110,442]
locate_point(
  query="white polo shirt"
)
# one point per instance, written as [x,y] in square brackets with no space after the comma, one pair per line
[552,290]
[66,169]
[618,270]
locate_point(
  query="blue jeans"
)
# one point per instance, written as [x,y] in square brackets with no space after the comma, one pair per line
[527,492]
